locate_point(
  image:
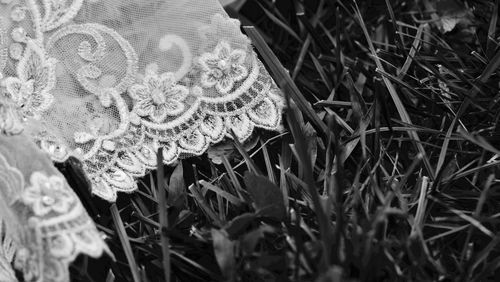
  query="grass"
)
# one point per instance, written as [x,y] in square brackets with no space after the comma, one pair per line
[387,168]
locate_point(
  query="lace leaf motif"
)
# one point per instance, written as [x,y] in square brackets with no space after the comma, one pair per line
[225,89]
[30,90]
[58,13]
[256,102]
[185,120]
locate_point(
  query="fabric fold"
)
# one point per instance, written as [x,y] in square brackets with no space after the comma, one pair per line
[109,82]
[43,225]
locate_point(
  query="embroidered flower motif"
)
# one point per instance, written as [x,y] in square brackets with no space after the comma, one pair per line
[30,90]
[158,97]
[223,67]
[47,194]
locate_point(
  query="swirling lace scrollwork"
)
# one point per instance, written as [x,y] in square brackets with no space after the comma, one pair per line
[167,42]
[90,72]
[55,14]
[223,89]
[66,66]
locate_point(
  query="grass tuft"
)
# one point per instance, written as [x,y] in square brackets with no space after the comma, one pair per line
[387,168]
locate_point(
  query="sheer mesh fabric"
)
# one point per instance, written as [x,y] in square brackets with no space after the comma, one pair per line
[110,82]
[43,225]
[116,80]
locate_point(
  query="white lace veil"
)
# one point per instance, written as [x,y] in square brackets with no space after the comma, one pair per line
[111,81]
[43,225]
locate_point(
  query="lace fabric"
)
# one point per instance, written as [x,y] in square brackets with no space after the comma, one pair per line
[43,224]
[110,82]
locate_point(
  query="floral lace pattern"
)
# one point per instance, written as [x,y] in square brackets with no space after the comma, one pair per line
[219,89]
[45,225]
[158,97]
[223,67]
[107,95]
[47,194]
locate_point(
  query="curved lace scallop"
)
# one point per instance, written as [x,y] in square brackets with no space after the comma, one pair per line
[43,224]
[111,82]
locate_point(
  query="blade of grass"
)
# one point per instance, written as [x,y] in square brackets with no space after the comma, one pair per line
[447,233]
[311,30]
[483,78]
[283,184]
[204,205]
[399,42]
[414,48]
[477,211]
[267,159]
[490,43]
[124,239]
[284,80]
[280,23]
[250,163]
[321,72]
[465,217]
[337,188]
[405,117]
[232,176]
[232,199]
[484,254]
[300,61]
[323,222]
[338,50]
[163,214]
[421,206]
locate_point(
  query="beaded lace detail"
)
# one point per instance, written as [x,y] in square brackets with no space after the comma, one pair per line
[110,82]
[87,92]
[43,224]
